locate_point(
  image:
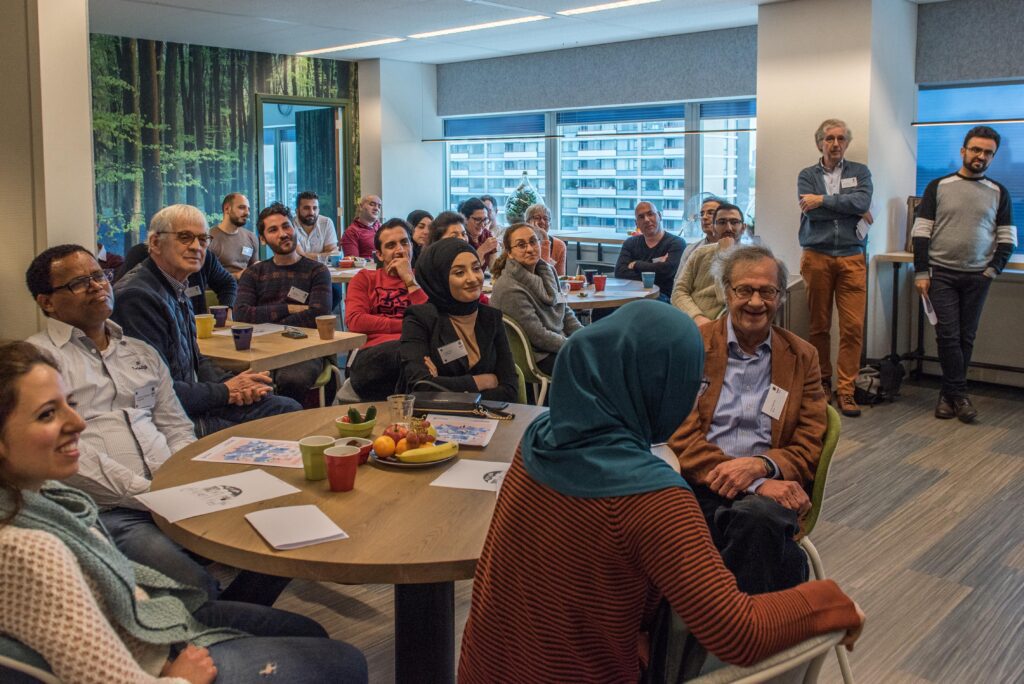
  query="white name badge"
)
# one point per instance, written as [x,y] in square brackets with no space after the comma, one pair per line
[145,396]
[247,251]
[452,352]
[298,295]
[848,183]
[193,291]
[775,402]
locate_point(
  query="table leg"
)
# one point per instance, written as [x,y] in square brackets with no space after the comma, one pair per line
[425,633]
[893,343]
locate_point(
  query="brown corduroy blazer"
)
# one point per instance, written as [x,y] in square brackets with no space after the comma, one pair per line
[796,437]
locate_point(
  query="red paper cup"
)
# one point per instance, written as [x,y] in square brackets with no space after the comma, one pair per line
[599,282]
[364,446]
[342,463]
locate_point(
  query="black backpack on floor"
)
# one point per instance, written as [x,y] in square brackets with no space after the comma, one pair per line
[879,382]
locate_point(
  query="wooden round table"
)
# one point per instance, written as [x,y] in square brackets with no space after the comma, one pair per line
[401,530]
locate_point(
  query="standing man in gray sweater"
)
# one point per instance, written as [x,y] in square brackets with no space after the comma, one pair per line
[963,236]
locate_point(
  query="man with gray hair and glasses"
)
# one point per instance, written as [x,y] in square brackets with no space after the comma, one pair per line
[750,447]
[151,304]
[834,196]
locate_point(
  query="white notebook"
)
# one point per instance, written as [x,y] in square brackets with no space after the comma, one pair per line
[292,527]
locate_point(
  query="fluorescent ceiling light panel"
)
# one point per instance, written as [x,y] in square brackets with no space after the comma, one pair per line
[350,46]
[480,27]
[604,6]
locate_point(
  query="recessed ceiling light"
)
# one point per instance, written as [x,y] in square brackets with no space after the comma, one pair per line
[351,46]
[604,6]
[480,27]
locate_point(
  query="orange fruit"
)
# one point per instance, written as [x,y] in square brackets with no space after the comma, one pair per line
[402,446]
[384,446]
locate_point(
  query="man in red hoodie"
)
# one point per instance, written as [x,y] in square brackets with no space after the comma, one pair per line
[375,304]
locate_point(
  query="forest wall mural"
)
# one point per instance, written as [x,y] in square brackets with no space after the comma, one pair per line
[177,123]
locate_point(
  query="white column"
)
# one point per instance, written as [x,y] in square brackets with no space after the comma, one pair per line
[46,171]
[400,101]
[820,59]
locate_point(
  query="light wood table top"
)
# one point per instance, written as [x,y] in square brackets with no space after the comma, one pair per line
[269,352]
[593,237]
[1015,265]
[617,291]
[343,275]
[401,530]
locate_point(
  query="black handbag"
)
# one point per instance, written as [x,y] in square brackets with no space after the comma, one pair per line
[455,403]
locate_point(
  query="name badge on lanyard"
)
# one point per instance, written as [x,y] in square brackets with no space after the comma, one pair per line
[775,402]
[247,251]
[193,291]
[848,182]
[145,396]
[452,352]
[298,295]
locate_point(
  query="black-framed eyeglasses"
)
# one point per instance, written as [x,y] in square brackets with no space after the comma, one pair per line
[81,284]
[186,238]
[704,384]
[523,244]
[768,292]
[981,152]
[734,222]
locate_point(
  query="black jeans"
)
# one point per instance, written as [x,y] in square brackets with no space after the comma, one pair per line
[376,371]
[754,534]
[958,298]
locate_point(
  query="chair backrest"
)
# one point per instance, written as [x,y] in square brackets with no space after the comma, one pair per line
[211,298]
[522,351]
[828,447]
[520,386]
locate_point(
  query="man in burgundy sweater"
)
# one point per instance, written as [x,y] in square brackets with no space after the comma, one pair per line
[358,239]
[288,289]
[375,304]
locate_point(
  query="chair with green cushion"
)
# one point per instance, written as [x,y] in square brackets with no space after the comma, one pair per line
[828,448]
[19,664]
[522,351]
[329,370]
[211,298]
[521,386]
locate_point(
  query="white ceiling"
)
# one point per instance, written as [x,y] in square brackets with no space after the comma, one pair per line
[290,27]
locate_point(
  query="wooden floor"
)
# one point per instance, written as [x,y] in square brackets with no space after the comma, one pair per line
[923,525]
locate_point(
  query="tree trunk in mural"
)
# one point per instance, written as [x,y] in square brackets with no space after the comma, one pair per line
[175,123]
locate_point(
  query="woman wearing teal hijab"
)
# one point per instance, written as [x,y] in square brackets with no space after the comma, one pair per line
[591,529]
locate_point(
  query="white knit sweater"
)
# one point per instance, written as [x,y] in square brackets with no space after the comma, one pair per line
[52,607]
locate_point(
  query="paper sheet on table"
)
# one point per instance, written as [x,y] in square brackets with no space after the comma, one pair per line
[929,310]
[465,431]
[215,494]
[257,330]
[292,527]
[252,451]
[484,475]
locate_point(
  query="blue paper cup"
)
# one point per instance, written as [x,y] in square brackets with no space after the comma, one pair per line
[648,279]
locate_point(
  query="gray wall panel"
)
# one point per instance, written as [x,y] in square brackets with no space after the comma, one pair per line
[702,65]
[970,40]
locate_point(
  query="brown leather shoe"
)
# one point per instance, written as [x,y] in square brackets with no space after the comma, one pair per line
[826,386]
[847,406]
[965,410]
[944,409]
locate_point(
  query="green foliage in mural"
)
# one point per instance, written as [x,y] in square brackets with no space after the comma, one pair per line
[175,123]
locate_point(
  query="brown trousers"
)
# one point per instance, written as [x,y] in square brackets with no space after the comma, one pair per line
[843,280]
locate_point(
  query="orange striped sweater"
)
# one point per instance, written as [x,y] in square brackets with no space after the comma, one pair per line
[565,585]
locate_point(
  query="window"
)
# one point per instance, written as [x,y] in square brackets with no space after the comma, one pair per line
[938,146]
[601,162]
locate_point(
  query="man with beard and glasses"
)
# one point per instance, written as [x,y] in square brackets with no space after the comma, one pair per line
[963,236]
[315,234]
[750,447]
[235,248]
[288,289]
[695,292]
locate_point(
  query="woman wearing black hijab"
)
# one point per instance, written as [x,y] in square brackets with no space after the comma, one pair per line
[453,340]
[421,222]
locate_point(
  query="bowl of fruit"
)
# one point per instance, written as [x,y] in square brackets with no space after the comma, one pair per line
[356,424]
[415,443]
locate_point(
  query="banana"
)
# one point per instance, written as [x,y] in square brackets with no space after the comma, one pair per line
[428,454]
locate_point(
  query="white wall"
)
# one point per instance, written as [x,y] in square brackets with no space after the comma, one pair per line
[397,112]
[46,172]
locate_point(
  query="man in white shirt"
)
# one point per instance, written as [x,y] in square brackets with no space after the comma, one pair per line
[123,391]
[315,234]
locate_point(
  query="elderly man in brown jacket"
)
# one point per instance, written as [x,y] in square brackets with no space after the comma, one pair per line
[751,446]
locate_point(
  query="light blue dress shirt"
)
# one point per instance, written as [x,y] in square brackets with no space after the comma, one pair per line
[738,426]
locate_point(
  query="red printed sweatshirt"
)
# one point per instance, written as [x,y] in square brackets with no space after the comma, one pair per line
[375,304]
